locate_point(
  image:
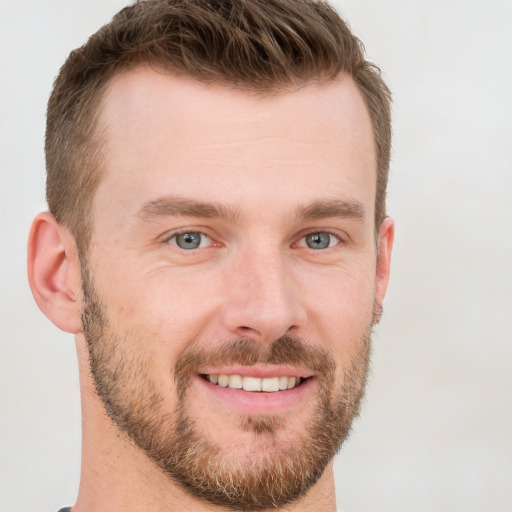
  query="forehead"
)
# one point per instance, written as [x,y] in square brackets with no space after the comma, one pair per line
[174,135]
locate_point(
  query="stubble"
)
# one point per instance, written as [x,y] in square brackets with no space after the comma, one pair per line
[181,447]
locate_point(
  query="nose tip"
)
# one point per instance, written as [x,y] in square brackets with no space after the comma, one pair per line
[263,302]
[265,328]
[261,325]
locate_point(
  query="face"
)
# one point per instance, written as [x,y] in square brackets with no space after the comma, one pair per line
[230,285]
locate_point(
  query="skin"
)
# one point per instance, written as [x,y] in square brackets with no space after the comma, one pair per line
[267,162]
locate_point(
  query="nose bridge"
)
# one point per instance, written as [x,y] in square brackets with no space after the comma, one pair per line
[263,297]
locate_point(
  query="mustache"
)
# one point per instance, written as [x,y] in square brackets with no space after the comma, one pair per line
[289,350]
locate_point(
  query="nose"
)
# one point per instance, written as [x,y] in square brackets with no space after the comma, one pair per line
[263,299]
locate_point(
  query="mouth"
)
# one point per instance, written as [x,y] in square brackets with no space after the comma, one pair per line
[257,389]
[255,384]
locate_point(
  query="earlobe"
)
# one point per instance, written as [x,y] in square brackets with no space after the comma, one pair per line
[385,247]
[54,272]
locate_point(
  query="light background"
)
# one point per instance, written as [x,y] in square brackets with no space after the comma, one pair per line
[436,429]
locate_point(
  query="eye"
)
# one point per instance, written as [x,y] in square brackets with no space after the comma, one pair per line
[320,240]
[190,240]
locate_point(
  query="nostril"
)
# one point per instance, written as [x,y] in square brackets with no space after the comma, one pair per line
[244,329]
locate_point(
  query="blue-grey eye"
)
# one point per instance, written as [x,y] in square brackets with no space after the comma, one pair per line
[192,240]
[320,240]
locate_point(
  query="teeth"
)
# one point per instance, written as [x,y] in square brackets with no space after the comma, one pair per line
[235,381]
[252,384]
[223,381]
[269,385]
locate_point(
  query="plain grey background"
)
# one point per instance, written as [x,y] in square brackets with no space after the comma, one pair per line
[436,429]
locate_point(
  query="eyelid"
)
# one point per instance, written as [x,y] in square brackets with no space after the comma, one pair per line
[166,239]
[334,233]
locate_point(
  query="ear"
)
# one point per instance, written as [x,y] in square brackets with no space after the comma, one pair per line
[54,272]
[385,247]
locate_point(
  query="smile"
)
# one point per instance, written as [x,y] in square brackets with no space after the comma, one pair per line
[268,384]
[257,390]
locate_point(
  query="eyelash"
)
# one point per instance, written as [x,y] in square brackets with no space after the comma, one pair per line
[175,235]
[301,241]
[332,236]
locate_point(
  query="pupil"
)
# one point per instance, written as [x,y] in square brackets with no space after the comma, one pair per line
[189,241]
[318,240]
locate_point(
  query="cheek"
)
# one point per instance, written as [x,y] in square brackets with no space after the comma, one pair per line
[341,310]
[167,309]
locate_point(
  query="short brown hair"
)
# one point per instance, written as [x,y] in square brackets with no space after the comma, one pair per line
[259,45]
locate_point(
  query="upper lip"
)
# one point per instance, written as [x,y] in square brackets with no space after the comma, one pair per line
[258,371]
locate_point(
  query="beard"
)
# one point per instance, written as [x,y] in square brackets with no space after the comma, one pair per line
[276,472]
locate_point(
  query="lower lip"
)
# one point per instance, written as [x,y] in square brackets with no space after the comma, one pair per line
[257,402]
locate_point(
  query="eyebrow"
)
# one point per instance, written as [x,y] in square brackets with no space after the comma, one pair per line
[179,207]
[173,206]
[332,208]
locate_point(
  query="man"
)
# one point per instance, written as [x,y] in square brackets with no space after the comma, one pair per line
[217,241]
